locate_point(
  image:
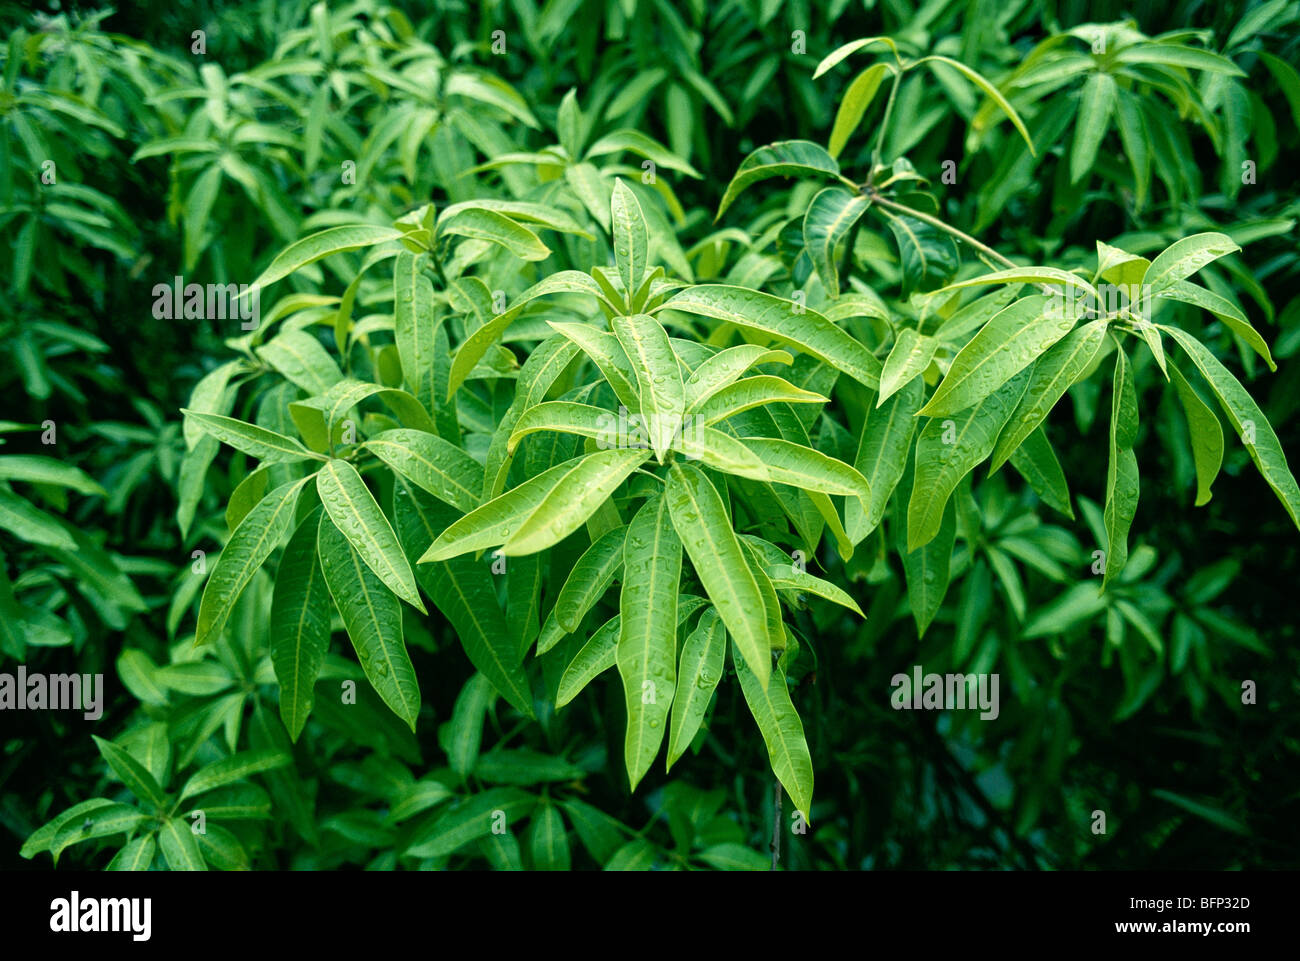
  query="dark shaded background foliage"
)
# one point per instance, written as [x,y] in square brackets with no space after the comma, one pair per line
[895,789]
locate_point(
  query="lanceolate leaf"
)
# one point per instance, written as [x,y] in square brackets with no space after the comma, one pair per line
[927,568]
[782,731]
[647,644]
[1096,102]
[949,449]
[132,773]
[663,399]
[907,360]
[463,590]
[725,367]
[300,624]
[322,244]
[785,320]
[1051,377]
[750,392]
[598,655]
[1122,485]
[630,238]
[1185,257]
[265,445]
[784,159]
[882,457]
[700,670]
[1006,345]
[354,512]
[246,551]
[1206,435]
[1037,463]
[372,616]
[1248,420]
[856,100]
[590,578]
[1228,312]
[573,499]
[701,521]
[483,224]
[415,323]
[432,464]
[808,469]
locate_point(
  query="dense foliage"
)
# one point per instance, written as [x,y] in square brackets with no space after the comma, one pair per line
[540,435]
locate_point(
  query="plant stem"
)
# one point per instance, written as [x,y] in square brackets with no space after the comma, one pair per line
[961,235]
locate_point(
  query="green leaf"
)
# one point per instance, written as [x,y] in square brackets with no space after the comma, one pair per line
[1011,341]
[136,856]
[630,237]
[1037,463]
[927,568]
[179,849]
[1178,55]
[372,617]
[698,675]
[725,368]
[300,625]
[482,224]
[991,91]
[791,323]
[591,189]
[1096,101]
[701,521]
[415,323]
[782,159]
[432,464]
[332,241]
[590,577]
[355,514]
[659,377]
[548,842]
[781,728]
[607,354]
[1224,309]
[747,393]
[1185,257]
[928,255]
[132,773]
[882,457]
[1247,419]
[462,589]
[948,450]
[854,105]
[1051,377]
[1122,485]
[472,818]
[1206,435]
[100,823]
[248,548]
[33,469]
[574,498]
[830,217]
[237,767]
[808,469]
[598,655]
[266,445]
[647,645]
[301,359]
[907,360]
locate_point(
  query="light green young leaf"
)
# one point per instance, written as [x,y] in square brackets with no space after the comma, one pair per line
[747,393]
[354,512]
[725,367]
[630,237]
[882,457]
[246,551]
[237,767]
[1011,341]
[415,322]
[647,644]
[701,521]
[854,105]
[782,731]
[700,670]
[659,377]
[482,224]
[791,323]
[332,241]
[907,360]
[432,464]
[590,577]
[179,848]
[1096,102]
[782,159]
[1185,257]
